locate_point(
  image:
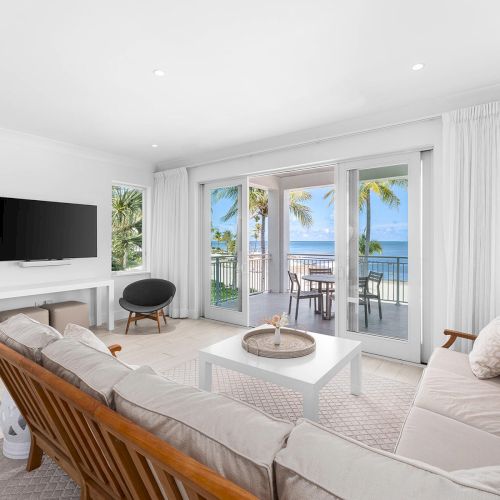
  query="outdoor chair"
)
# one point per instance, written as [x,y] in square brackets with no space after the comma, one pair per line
[319,270]
[145,299]
[363,297]
[373,290]
[300,294]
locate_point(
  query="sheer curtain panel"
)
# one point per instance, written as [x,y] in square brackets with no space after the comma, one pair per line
[471,202]
[169,239]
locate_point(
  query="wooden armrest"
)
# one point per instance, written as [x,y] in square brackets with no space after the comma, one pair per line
[113,349]
[454,335]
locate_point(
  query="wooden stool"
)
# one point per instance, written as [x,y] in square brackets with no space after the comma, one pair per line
[62,313]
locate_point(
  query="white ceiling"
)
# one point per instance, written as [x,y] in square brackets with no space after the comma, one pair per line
[236,72]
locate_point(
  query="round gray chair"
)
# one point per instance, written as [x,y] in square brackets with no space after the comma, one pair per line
[145,299]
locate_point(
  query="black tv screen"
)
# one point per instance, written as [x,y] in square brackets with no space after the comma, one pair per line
[39,230]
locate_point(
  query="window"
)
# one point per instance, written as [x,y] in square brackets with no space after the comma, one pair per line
[127,228]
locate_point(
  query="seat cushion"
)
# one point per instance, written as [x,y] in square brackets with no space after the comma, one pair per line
[27,336]
[238,441]
[319,464]
[464,398]
[128,306]
[485,355]
[92,371]
[446,443]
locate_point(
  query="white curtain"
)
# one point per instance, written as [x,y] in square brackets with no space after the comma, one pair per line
[169,239]
[471,204]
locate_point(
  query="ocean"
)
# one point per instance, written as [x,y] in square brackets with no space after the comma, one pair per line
[389,248]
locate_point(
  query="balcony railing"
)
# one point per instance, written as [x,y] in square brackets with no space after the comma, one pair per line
[225,281]
[224,276]
[394,285]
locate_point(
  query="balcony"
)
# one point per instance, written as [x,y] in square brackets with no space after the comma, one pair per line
[264,303]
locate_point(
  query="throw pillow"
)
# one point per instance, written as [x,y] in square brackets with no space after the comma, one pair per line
[485,355]
[27,336]
[85,336]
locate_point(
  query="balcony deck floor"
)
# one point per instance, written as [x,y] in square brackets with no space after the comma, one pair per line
[394,322]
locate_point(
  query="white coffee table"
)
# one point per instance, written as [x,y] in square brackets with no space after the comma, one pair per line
[306,375]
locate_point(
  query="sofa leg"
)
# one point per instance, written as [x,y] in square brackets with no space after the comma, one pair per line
[35,456]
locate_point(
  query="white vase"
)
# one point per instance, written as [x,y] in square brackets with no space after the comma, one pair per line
[277,335]
[16,434]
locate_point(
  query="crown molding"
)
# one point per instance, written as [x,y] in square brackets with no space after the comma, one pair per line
[47,143]
[410,114]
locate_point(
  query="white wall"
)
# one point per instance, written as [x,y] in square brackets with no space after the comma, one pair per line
[37,168]
[419,135]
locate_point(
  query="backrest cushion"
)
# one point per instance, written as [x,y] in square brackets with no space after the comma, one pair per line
[485,355]
[92,371]
[27,336]
[321,464]
[236,440]
[77,332]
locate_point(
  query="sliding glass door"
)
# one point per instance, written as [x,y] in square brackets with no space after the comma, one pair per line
[379,256]
[226,251]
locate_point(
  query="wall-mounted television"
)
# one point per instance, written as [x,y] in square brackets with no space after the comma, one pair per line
[45,230]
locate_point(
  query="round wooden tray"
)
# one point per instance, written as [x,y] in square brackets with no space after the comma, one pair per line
[294,343]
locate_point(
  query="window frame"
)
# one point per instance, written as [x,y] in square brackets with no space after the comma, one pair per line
[145,229]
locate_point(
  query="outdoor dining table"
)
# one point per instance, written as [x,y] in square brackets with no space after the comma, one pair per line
[327,280]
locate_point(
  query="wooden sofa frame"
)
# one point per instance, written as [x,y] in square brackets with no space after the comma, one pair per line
[454,335]
[107,455]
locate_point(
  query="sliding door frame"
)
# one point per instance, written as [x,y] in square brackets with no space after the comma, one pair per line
[211,311]
[409,349]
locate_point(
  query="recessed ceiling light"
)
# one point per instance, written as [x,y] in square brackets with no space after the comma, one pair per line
[159,72]
[154,145]
[417,67]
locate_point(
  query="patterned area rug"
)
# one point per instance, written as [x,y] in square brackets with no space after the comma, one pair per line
[375,418]
[49,481]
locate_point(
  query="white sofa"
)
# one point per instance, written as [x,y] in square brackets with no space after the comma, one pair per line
[273,458]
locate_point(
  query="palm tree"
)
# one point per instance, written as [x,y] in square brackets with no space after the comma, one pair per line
[381,188]
[229,239]
[375,246]
[217,237]
[126,221]
[258,206]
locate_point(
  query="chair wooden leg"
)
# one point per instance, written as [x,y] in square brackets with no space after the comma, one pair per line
[290,306]
[297,309]
[158,320]
[35,457]
[129,320]
[164,317]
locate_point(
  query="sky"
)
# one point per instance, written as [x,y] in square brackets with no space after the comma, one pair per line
[388,224]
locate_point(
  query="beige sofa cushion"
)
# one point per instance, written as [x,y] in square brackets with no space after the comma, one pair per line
[77,332]
[446,443]
[93,371]
[485,355]
[27,336]
[238,441]
[469,400]
[319,464]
